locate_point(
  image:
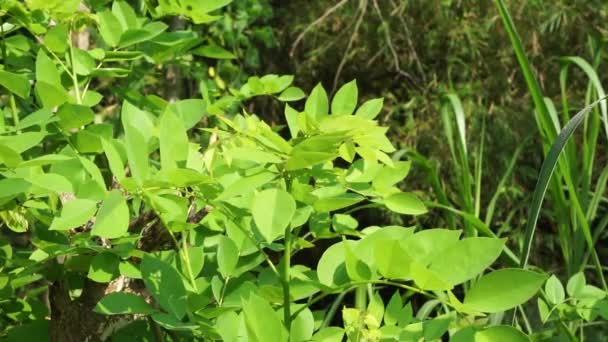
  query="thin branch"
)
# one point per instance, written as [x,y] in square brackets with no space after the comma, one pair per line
[362,10]
[313,24]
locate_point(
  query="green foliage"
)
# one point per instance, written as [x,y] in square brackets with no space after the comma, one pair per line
[185,215]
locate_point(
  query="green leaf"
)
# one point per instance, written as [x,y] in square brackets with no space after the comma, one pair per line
[554,290]
[109,27]
[13,186]
[503,289]
[292,94]
[125,15]
[329,334]
[272,211]
[165,285]
[15,83]
[115,162]
[83,63]
[173,141]
[45,160]
[171,323]
[9,157]
[370,109]
[213,51]
[393,309]
[405,203]
[136,36]
[428,244]
[23,141]
[345,100]
[331,268]
[576,284]
[501,333]
[75,213]
[122,303]
[337,202]
[317,103]
[113,217]
[262,323]
[392,260]
[46,71]
[135,143]
[302,326]
[227,256]
[104,267]
[246,185]
[465,259]
[52,182]
[74,116]
[191,111]
[389,176]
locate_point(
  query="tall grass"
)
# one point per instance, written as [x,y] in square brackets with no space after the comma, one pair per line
[574,203]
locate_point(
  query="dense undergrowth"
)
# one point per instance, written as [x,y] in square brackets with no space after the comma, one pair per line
[165,177]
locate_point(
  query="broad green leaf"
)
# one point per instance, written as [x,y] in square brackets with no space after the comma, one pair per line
[466,258]
[51,95]
[227,256]
[173,141]
[254,155]
[9,157]
[123,303]
[246,185]
[115,162]
[169,322]
[272,211]
[113,217]
[104,267]
[329,334]
[345,100]
[503,289]
[292,94]
[356,269]
[393,309]
[191,111]
[125,15]
[44,160]
[13,186]
[56,39]
[405,203]
[347,151]
[291,116]
[427,244]
[576,284]
[370,109]
[303,159]
[213,51]
[137,153]
[52,182]
[109,27]
[389,176]
[554,291]
[46,71]
[165,285]
[501,333]
[15,83]
[302,326]
[435,328]
[337,202]
[74,116]
[392,261]
[262,323]
[75,213]
[331,268]
[23,141]
[317,103]
[83,63]
[140,35]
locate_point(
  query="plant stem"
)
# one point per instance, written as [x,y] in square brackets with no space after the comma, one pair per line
[74,75]
[285,280]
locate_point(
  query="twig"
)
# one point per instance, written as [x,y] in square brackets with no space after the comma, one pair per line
[362,10]
[313,24]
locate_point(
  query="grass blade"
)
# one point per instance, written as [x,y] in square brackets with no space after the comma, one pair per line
[545,174]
